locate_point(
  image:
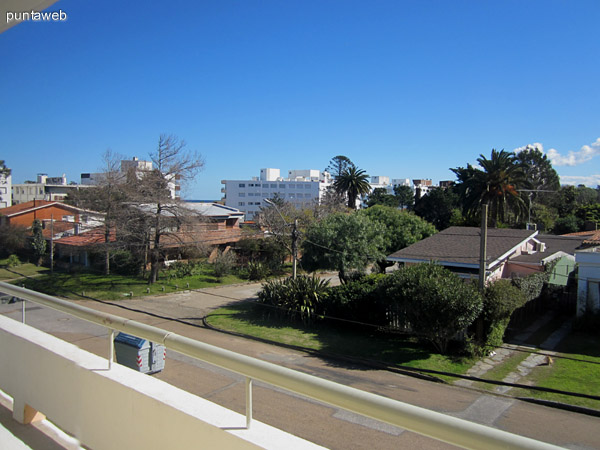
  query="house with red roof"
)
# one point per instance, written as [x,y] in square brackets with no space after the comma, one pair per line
[58,219]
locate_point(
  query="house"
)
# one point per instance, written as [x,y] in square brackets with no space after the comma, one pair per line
[509,253]
[588,283]
[207,224]
[76,248]
[58,219]
[560,249]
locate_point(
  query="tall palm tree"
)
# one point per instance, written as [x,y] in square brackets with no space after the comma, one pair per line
[497,185]
[352,183]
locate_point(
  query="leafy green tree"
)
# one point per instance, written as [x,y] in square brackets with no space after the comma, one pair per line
[567,224]
[586,195]
[437,302]
[12,239]
[380,196]
[400,229]
[338,165]
[589,212]
[565,201]
[541,176]
[353,183]
[342,242]
[498,185]
[5,171]
[438,207]
[405,196]
[544,216]
[38,242]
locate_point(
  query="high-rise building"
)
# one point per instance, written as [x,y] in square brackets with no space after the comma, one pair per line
[301,188]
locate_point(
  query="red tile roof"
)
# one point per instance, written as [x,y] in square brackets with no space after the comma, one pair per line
[95,236]
[22,207]
[591,237]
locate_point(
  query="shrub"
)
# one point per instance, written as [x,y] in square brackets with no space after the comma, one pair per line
[438,304]
[223,264]
[13,261]
[182,269]
[531,285]
[294,298]
[500,300]
[257,271]
[357,300]
[124,262]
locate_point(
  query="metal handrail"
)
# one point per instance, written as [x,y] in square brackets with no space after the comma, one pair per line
[420,420]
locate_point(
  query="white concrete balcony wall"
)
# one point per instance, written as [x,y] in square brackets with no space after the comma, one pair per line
[117,408]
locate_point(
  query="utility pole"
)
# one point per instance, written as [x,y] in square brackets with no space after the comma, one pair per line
[483,246]
[295,247]
[52,243]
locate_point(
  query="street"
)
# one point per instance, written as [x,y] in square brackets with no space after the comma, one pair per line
[319,423]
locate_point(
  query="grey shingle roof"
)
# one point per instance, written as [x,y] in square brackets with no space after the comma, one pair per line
[460,246]
[554,244]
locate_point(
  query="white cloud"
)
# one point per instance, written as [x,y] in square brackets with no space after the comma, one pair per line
[590,180]
[586,153]
[534,146]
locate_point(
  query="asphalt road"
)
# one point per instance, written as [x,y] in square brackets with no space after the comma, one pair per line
[319,423]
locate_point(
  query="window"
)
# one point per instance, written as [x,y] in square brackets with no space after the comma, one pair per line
[242,203]
[265,194]
[266,185]
[282,186]
[274,186]
[2,190]
[307,186]
[242,185]
[250,194]
[242,194]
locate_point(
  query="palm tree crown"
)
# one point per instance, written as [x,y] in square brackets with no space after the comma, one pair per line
[352,183]
[497,185]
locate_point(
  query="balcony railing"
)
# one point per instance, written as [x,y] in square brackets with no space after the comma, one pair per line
[425,422]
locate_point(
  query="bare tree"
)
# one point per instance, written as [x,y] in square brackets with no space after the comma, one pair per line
[107,197]
[159,216]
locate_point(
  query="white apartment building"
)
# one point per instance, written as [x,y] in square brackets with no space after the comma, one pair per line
[139,166]
[45,188]
[5,189]
[301,188]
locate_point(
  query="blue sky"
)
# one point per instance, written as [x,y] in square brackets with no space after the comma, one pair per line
[406,89]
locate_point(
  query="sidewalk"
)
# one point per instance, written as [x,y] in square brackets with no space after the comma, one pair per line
[518,343]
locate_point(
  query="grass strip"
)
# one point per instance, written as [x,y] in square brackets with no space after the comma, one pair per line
[397,350]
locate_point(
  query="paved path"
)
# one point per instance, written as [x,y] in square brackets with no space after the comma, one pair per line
[322,424]
[526,366]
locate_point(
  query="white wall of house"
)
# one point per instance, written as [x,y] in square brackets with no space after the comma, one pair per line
[588,285]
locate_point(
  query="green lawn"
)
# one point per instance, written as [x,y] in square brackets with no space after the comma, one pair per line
[115,287]
[579,374]
[25,269]
[393,349]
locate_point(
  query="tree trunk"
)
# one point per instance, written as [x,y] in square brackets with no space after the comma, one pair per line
[107,250]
